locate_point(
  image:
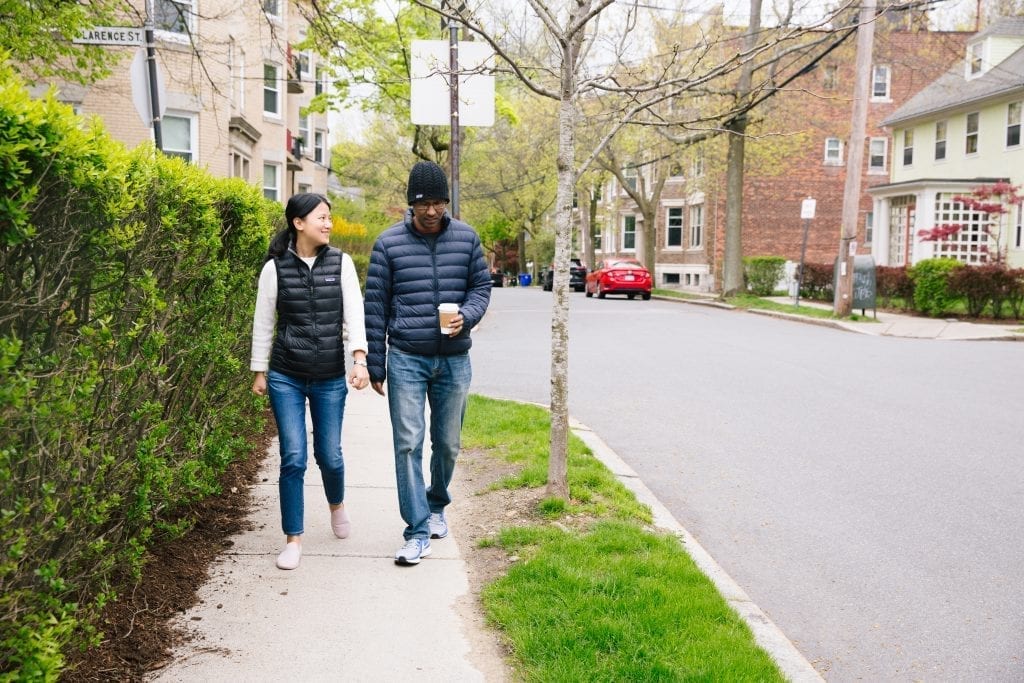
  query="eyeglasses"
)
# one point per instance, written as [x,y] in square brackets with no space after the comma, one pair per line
[436,205]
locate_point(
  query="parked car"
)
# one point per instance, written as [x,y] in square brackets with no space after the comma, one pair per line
[619,276]
[577,276]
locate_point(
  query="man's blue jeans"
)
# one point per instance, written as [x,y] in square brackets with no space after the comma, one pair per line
[326,406]
[443,381]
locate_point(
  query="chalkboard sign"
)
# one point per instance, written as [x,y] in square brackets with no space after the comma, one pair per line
[864,286]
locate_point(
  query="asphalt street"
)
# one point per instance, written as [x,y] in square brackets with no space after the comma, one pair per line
[864,491]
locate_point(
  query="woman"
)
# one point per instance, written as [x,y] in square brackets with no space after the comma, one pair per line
[307,289]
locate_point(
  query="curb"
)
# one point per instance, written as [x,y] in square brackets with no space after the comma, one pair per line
[793,665]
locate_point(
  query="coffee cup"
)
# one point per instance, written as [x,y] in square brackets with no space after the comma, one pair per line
[445,314]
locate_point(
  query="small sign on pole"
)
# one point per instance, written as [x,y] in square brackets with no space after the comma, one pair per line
[111,35]
[807,207]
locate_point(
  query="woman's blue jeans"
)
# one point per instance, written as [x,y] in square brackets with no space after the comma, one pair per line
[326,397]
[414,381]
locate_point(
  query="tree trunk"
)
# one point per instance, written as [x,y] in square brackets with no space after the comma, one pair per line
[732,275]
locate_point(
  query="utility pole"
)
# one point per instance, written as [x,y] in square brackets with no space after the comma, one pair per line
[453,90]
[843,303]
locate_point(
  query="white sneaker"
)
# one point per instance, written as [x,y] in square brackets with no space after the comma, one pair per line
[437,524]
[290,556]
[413,551]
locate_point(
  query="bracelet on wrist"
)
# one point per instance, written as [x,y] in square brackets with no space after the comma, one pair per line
[359,362]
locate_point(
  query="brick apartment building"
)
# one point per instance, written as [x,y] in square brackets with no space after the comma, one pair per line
[233,91]
[798,150]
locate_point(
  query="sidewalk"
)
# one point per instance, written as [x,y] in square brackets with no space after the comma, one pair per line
[888,324]
[348,613]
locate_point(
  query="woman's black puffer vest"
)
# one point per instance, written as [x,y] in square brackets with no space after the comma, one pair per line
[308,340]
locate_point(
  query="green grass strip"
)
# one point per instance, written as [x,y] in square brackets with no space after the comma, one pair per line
[609,600]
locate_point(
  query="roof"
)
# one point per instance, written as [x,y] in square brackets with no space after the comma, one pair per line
[953,90]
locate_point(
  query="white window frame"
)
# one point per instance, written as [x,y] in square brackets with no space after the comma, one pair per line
[674,224]
[236,67]
[319,80]
[272,8]
[320,146]
[1014,114]
[272,192]
[881,74]
[189,14]
[833,152]
[975,60]
[630,173]
[275,88]
[191,154]
[676,171]
[626,222]
[1018,231]
[881,155]
[698,162]
[303,131]
[943,140]
[972,134]
[697,226]
[240,165]
[908,147]
[966,245]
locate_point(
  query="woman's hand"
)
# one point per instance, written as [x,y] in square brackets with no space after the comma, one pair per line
[259,384]
[358,377]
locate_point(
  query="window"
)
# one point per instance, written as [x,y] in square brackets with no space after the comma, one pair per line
[302,65]
[174,16]
[236,66]
[675,170]
[940,141]
[320,86]
[1013,110]
[629,175]
[877,152]
[698,162]
[318,147]
[908,147]
[869,227]
[305,187]
[670,278]
[271,182]
[833,151]
[629,232]
[696,226]
[880,76]
[674,226]
[271,90]
[828,77]
[902,219]
[971,142]
[240,165]
[1018,233]
[304,130]
[178,132]
[971,243]
[974,59]
[272,8]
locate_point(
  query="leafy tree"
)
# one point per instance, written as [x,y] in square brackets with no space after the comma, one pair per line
[37,37]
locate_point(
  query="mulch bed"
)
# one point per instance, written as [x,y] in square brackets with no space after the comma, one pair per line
[138,628]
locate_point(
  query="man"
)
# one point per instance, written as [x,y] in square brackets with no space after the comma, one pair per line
[427,259]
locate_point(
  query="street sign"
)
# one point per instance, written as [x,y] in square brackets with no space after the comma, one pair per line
[141,96]
[807,207]
[430,103]
[112,35]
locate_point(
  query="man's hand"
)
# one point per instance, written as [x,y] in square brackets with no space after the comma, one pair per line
[456,325]
[378,387]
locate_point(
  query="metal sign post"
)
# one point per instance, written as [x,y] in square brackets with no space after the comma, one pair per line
[806,213]
[154,97]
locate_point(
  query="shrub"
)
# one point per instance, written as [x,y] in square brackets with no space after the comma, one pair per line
[980,286]
[816,284]
[932,293]
[893,282]
[1014,294]
[763,273]
[126,285]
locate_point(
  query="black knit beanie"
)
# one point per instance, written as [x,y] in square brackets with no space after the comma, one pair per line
[427,181]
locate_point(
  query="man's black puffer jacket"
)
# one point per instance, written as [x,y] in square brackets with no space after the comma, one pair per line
[409,275]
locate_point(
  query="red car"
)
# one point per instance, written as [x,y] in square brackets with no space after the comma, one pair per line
[619,276]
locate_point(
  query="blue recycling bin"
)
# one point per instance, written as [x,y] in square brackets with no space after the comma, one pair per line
[525,279]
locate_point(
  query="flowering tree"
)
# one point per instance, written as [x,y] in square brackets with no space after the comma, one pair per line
[995,201]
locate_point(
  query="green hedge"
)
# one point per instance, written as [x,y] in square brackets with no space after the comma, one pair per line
[126,290]
[763,273]
[932,293]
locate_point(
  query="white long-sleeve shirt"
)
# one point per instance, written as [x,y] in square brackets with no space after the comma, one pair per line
[265,317]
